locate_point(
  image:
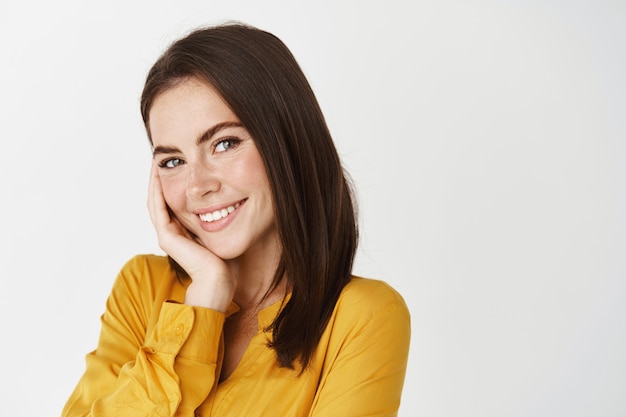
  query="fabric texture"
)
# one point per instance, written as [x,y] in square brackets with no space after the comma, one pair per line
[159,357]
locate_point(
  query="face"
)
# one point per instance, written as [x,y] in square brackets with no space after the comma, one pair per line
[212,175]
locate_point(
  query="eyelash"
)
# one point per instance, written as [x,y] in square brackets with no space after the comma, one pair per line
[233,144]
[163,164]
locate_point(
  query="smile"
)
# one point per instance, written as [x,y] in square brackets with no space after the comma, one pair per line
[218,214]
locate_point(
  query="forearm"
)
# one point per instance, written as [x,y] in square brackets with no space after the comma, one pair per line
[181,352]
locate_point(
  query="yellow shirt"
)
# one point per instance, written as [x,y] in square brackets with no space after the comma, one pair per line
[159,357]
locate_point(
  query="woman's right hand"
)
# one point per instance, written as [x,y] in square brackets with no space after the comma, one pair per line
[213,280]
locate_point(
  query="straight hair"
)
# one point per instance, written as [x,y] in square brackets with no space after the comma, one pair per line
[314,206]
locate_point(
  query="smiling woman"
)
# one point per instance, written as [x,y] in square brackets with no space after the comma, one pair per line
[254,311]
[213,164]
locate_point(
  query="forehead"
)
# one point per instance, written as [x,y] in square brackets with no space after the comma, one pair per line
[187,108]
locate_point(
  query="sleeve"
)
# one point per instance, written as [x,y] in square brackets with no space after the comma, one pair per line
[367,371]
[132,373]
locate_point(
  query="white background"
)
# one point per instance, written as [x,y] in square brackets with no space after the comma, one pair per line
[487,140]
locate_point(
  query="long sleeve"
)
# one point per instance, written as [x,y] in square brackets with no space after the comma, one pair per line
[366,358]
[158,357]
[149,352]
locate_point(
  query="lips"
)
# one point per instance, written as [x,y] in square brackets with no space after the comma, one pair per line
[218,214]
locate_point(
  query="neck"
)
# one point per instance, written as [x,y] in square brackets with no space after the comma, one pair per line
[255,278]
[255,301]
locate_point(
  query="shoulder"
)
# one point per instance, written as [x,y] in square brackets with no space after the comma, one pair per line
[370,313]
[364,298]
[146,274]
[147,263]
[370,292]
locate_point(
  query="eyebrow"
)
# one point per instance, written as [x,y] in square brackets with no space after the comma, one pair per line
[205,136]
[213,131]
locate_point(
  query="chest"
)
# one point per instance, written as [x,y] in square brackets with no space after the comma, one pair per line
[238,332]
[255,386]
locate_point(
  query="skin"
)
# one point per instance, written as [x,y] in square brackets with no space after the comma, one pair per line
[205,160]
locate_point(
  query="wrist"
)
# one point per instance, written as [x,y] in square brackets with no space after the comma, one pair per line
[208,296]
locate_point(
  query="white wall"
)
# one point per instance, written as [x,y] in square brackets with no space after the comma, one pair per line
[487,140]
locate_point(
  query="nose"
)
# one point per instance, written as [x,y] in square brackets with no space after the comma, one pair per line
[201,180]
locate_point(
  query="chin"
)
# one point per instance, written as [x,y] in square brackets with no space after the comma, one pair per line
[227,256]
[226,253]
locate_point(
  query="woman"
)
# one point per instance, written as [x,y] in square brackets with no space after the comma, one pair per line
[254,312]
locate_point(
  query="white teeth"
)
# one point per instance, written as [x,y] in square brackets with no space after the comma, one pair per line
[218,214]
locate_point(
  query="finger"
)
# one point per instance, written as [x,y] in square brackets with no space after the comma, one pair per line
[179,242]
[172,234]
[157,206]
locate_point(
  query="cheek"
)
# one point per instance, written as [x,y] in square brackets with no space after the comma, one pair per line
[253,170]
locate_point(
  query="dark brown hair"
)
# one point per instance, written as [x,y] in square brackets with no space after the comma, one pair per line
[261,81]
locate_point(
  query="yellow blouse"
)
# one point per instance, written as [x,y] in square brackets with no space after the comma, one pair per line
[159,357]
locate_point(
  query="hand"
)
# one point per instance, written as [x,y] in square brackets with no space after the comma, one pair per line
[213,280]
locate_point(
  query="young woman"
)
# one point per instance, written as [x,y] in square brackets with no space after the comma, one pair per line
[254,311]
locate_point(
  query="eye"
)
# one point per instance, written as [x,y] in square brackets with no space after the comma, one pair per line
[170,163]
[225,144]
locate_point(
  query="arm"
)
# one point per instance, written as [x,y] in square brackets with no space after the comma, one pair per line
[368,367]
[134,374]
[213,281]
